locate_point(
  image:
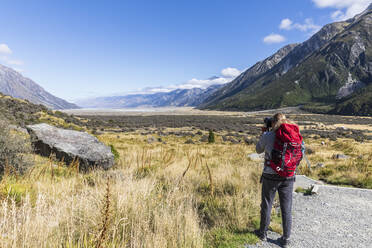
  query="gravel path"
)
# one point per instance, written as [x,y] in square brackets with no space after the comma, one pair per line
[335,217]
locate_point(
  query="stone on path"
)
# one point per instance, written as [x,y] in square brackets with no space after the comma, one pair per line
[69,145]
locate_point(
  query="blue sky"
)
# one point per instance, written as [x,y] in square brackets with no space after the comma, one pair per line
[77,49]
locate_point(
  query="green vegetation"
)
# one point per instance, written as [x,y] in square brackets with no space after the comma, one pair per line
[171,194]
[304,191]
[314,82]
[164,193]
[359,103]
[14,150]
[223,238]
[211,138]
[115,152]
[354,170]
[22,112]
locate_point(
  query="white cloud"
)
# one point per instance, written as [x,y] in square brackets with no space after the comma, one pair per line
[9,61]
[308,25]
[5,49]
[14,62]
[204,83]
[274,38]
[227,75]
[337,15]
[345,8]
[230,72]
[286,24]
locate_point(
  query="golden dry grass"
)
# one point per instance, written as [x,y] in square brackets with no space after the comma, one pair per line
[158,195]
[54,120]
[167,194]
[355,171]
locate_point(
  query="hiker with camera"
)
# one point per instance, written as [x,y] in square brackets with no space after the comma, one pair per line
[282,143]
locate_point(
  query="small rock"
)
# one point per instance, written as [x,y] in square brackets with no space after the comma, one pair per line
[320,165]
[250,141]
[314,189]
[340,156]
[204,138]
[256,157]
[189,141]
[151,140]
[323,143]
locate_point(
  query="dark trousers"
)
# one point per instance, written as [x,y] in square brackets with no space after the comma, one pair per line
[285,189]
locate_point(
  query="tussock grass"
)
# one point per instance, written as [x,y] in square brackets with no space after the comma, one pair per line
[356,170]
[158,195]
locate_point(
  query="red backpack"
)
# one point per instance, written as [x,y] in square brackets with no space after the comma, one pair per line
[288,150]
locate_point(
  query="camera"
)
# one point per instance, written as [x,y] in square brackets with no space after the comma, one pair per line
[268,122]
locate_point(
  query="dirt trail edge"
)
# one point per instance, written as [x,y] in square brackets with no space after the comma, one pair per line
[335,217]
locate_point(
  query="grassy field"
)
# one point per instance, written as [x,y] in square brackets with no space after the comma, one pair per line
[163,192]
[353,170]
[158,195]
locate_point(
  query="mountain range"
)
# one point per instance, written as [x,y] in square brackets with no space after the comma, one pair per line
[175,98]
[12,83]
[331,73]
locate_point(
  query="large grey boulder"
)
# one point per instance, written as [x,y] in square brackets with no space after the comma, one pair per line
[68,145]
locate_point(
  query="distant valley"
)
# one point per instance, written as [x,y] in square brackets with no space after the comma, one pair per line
[175,98]
[329,73]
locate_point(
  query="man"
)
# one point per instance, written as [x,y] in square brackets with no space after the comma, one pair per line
[272,182]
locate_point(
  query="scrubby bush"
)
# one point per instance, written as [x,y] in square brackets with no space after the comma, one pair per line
[115,152]
[211,138]
[14,150]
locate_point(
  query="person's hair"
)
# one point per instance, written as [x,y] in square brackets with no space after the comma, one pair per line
[279,119]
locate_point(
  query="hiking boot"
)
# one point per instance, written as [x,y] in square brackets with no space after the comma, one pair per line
[284,242]
[260,235]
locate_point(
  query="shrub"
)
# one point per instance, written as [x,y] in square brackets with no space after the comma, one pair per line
[309,150]
[115,152]
[14,150]
[211,137]
[325,172]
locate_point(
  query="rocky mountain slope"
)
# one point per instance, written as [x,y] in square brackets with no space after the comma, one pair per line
[22,112]
[14,84]
[249,76]
[176,98]
[332,72]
